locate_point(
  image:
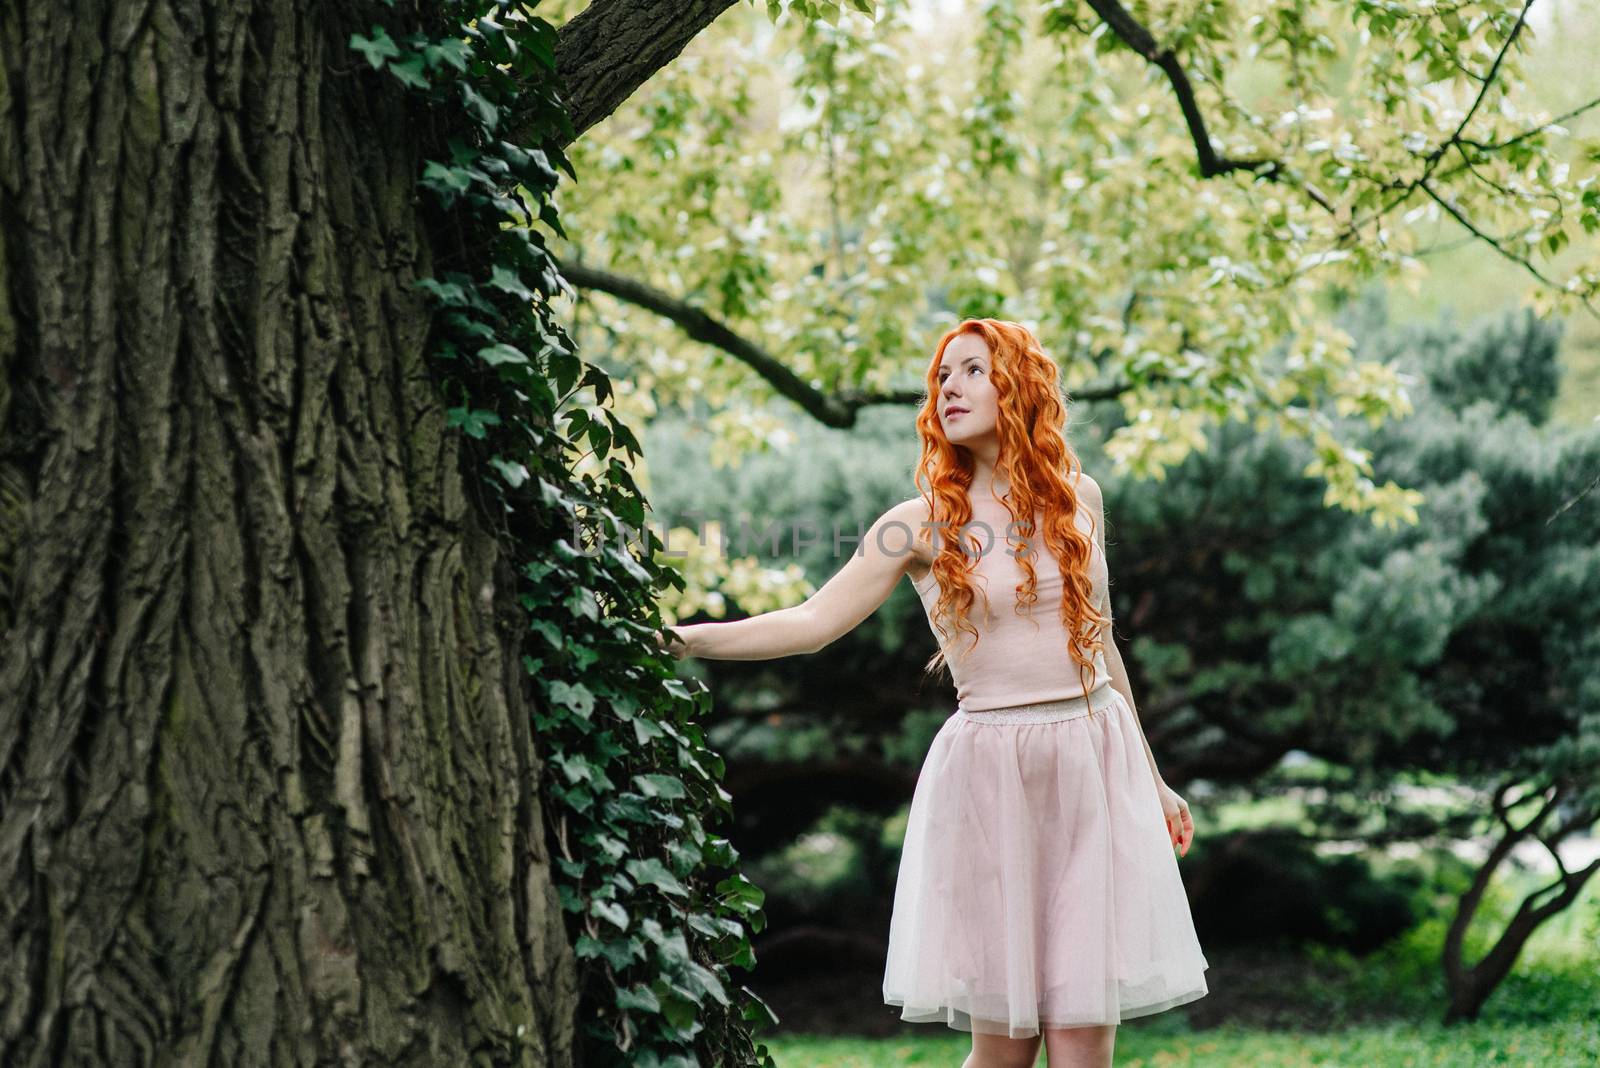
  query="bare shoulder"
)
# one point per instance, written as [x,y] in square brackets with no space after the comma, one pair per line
[910,516]
[1093,502]
[911,512]
[1089,489]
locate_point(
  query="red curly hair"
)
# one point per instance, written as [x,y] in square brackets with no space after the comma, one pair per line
[1037,465]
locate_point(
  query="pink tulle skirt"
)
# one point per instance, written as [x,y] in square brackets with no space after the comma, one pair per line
[1038,885]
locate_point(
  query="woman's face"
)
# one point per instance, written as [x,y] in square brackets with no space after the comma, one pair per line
[968,407]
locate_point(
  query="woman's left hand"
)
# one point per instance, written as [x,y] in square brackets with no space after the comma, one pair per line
[1180,825]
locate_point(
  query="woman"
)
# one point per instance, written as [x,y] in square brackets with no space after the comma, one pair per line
[1038,898]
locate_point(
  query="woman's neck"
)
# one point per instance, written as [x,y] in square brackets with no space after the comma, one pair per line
[988,487]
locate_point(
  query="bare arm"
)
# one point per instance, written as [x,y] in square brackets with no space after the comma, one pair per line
[850,596]
[1089,491]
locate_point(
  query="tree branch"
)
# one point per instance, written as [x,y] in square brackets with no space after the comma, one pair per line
[1137,37]
[612,47]
[831,409]
[1499,245]
[1432,159]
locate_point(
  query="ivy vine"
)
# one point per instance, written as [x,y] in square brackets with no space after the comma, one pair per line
[655,904]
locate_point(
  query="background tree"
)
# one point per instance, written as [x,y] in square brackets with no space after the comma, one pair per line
[1173,193]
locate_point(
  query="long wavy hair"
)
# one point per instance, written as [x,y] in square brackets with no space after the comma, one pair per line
[1037,465]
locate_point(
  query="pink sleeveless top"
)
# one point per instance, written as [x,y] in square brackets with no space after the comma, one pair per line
[1014,662]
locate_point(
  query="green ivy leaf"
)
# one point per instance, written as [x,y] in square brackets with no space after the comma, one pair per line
[575,768]
[679,1011]
[614,848]
[506,280]
[378,48]
[451,50]
[487,113]
[409,72]
[495,355]
[581,602]
[575,696]
[655,873]
[755,1008]
[654,785]
[437,176]
[473,420]
[515,474]
[610,910]
[444,292]
[638,997]
[707,982]
[619,954]
[740,894]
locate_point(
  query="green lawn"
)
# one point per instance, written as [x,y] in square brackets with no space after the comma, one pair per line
[1330,1008]
[1575,1043]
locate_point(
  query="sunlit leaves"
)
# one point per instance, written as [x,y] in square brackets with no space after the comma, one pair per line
[839,190]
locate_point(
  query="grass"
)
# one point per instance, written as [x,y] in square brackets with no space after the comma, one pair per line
[1327,1007]
[1574,1043]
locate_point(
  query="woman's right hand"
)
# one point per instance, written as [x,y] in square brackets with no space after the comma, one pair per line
[673,642]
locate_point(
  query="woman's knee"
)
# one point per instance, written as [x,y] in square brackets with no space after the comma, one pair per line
[1080,1046]
[1001,1051]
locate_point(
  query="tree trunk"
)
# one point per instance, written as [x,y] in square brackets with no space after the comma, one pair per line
[1469,986]
[268,784]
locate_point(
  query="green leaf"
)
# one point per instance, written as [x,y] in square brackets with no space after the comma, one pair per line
[581,602]
[505,279]
[575,696]
[473,420]
[638,997]
[436,175]
[613,847]
[754,1007]
[679,1011]
[515,474]
[495,355]
[610,910]
[660,786]
[488,115]
[444,292]
[378,48]
[565,368]
[576,769]
[619,953]
[707,981]
[740,894]
[655,873]
[547,630]
[409,72]
[577,420]
[451,50]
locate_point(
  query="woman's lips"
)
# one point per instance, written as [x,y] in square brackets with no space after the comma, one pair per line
[952,413]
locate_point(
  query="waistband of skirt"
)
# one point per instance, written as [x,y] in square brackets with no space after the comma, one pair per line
[1045,711]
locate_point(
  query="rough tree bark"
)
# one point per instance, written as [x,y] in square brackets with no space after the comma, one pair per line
[268,786]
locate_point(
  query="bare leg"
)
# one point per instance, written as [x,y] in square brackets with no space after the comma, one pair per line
[1080,1047]
[1001,1051]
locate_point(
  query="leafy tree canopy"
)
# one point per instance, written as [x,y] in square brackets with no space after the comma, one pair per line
[1174,195]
